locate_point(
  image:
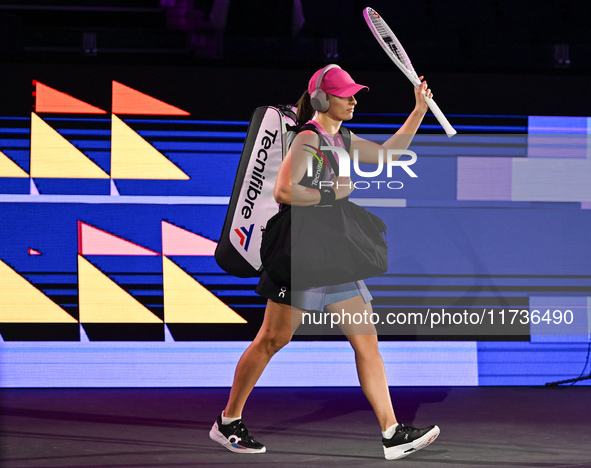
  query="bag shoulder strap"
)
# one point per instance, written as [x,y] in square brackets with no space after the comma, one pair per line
[287,111]
[345,135]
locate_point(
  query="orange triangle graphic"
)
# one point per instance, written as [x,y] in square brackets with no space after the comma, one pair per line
[94,241]
[127,100]
[178,241]
[51,100]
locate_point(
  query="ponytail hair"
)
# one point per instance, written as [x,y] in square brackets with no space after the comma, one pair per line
[305,110]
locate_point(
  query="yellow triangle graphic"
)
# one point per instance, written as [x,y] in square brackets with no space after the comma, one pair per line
[132,157]
[21,302]
[8,168]
[103,301]
[187,301]
[53,156]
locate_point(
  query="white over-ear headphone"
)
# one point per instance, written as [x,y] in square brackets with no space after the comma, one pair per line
[319,98]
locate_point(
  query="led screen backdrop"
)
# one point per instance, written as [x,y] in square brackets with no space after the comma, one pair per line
[110,218]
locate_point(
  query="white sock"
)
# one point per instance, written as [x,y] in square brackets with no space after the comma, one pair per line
[388,433]
[226,421]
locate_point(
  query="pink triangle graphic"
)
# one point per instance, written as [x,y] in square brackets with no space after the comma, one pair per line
[34,190]
[168,338]
[94,241]
[178,241]
[114,191]
[34,252]
[83,335]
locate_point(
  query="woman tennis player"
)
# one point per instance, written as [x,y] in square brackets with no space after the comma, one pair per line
[327,103]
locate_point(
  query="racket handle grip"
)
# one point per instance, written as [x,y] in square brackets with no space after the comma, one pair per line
[449,130]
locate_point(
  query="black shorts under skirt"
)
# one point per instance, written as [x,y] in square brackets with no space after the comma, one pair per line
[316,298]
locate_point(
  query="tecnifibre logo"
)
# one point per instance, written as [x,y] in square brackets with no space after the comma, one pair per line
[257,176]
[245,234]
[391,160]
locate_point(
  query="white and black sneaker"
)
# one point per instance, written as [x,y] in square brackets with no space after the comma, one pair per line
[235,437]
[408,439]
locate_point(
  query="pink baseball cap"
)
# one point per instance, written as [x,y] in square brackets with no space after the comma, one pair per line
[337,82]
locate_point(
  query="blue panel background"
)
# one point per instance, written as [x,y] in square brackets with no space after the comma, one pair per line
[439,247]
[488,241]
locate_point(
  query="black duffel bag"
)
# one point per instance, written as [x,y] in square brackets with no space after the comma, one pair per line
[308,246]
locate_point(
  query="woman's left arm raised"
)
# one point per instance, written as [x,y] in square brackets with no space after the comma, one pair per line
[369,151]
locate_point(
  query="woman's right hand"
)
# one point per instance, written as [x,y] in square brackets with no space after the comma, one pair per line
[343,186]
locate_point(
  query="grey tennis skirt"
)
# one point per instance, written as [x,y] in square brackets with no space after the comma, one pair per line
[312,298]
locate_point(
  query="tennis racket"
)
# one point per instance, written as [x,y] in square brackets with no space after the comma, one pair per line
[395,51]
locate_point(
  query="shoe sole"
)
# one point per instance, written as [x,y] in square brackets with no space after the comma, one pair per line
[217,436]
[401,451]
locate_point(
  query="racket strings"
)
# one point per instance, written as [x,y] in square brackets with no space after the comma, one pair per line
[399,54]
[392,42]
